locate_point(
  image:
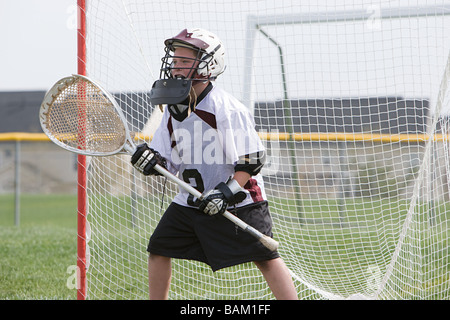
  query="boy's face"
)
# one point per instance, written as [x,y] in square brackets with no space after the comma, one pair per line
[184,63]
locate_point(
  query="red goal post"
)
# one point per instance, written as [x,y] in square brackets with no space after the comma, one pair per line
[81,167]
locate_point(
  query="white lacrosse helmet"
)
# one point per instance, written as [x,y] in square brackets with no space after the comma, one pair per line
[211,52]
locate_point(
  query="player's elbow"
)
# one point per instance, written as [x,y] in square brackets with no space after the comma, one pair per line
[251,163]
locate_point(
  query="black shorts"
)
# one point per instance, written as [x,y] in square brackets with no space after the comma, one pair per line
[187,233]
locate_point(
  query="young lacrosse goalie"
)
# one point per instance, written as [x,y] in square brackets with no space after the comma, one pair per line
[208,138]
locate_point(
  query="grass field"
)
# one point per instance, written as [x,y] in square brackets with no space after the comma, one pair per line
[36,255]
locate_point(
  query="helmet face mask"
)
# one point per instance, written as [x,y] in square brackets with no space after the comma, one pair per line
[181,66]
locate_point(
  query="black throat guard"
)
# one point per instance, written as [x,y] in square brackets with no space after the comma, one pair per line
[174,93]
[170,91]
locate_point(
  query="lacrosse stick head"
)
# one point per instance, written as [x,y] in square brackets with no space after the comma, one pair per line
[79,116]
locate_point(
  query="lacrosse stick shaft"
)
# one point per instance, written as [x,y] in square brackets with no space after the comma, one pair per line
[268,242]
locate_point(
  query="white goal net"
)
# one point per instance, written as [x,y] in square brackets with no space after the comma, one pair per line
[352,102]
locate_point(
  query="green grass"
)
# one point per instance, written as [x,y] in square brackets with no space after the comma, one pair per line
[341,242]
[338,243]
[36,255]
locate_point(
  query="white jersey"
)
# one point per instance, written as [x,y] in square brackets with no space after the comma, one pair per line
[205,147]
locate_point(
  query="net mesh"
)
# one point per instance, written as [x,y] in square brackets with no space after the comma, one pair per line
[81,117]
[352,103]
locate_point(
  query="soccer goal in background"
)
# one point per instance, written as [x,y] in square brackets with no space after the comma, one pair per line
[352,103]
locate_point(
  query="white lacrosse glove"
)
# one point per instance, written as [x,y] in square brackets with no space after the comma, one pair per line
[217,200]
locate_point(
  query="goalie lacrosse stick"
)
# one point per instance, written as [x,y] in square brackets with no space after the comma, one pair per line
[79,116]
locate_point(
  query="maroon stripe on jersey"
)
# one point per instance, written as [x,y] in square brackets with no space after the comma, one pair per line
[209,118]
[170,128]
[254,189]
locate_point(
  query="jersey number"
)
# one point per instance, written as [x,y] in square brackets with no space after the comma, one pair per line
[189,174]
